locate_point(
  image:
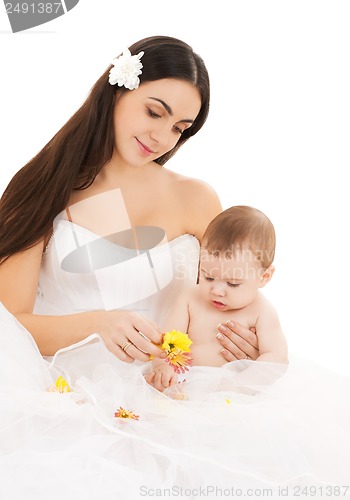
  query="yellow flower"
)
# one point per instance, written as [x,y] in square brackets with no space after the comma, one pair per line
[176,340]
[177,346]
[121,413]
[61,386]
[228,401]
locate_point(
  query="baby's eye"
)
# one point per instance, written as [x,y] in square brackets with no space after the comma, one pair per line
[233,284]
[208,278]
[152,113]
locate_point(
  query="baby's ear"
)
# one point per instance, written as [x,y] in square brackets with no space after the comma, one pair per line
[266,275]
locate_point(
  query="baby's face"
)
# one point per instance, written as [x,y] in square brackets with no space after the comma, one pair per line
[230,282]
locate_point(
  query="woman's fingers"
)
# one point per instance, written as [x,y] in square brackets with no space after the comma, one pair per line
[116,349]
[238,342]
[144,336]
[247,335]
[133,351]
[130,337]
[228,355]
[148,331]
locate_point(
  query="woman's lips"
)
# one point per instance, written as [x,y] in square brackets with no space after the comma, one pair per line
[143,148]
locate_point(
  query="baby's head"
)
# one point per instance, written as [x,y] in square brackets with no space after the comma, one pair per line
[237,253]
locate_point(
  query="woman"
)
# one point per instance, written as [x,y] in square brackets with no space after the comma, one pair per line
[111,237]
[108,159]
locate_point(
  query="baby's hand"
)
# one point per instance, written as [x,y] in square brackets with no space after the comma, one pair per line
[161,377]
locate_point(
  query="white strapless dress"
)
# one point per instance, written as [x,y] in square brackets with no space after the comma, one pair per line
[248,429]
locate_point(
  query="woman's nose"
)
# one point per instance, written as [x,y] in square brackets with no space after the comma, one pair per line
[161,135]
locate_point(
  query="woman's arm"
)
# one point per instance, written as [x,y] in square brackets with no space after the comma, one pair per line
[18,286]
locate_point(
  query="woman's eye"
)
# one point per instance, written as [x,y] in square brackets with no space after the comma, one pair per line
[178,130]
[233,284]
[152,113]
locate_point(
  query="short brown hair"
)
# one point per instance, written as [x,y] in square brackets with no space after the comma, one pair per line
[239,228]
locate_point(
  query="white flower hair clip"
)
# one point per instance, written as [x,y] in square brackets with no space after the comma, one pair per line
[126,70]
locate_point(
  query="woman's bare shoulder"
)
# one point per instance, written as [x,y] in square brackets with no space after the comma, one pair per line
[189,185]
[198,200]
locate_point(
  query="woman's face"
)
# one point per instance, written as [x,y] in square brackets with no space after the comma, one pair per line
[149,121]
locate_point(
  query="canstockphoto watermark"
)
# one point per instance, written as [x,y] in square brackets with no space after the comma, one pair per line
[208,491]
[215,491]
[25,15]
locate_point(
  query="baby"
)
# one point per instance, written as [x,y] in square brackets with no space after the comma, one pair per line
[236,259]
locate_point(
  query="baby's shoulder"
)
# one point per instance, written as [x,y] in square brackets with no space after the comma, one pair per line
[263,305]
[190,293]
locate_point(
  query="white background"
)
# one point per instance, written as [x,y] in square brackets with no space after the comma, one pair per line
[277,136]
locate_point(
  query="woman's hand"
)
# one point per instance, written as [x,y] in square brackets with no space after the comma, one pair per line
[237,341]
[128,335]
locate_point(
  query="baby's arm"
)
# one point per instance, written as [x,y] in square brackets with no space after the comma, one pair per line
[273,350]
[162,375]
[272,342]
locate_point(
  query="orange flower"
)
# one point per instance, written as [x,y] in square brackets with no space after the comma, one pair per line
[121,413]
[179,360]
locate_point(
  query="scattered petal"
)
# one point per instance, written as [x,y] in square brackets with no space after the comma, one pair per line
[122,413]
[61,386]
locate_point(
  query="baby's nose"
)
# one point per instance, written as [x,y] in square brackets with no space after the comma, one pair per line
[218,290]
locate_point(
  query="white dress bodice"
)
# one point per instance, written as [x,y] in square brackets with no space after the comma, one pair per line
[81,271]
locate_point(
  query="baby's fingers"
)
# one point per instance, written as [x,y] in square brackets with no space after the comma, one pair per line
[149,377]
[173,379]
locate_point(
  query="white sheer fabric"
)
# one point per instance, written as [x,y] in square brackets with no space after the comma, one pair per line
[233,431]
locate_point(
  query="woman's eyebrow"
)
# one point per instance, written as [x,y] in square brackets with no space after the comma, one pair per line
[169,110]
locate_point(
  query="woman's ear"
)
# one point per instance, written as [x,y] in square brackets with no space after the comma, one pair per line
[266,275]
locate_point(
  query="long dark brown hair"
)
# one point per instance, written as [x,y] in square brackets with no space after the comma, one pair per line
[75,155]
